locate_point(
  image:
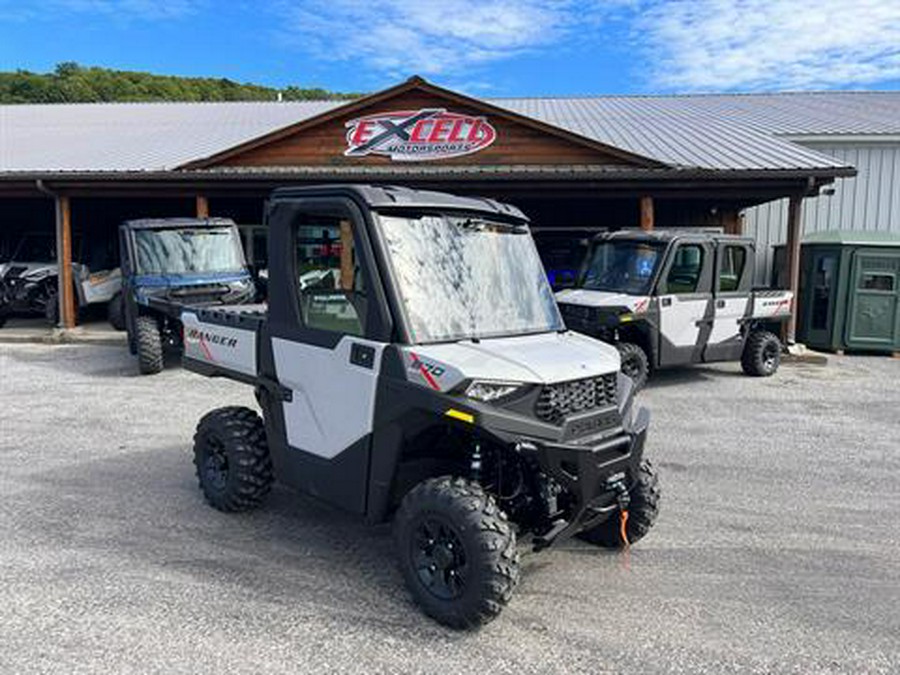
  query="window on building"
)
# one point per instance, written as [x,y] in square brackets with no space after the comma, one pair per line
[877,282]
[330,284]
[823,290]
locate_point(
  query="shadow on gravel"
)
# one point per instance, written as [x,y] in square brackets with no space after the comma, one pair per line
[688,375]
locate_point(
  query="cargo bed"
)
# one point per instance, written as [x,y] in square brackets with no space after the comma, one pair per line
[222,341]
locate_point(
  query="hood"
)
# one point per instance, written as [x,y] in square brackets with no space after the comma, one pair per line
[170,280]
[27,268]
[588,298]
[535,359]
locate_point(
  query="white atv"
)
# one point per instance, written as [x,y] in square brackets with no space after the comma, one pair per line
[671,299]
[427,377]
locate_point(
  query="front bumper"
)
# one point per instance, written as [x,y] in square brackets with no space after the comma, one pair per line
[587,464]
[588,474]
[20,295]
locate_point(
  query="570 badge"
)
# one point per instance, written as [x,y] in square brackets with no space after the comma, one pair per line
[431,372]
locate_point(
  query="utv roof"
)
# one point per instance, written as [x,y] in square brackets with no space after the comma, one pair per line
[163,223]
[666,236]
[397,197]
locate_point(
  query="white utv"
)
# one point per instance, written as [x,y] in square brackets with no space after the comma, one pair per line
[676,298]
[29,281]
[412,364]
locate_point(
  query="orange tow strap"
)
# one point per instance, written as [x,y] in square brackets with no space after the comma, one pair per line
[623,527]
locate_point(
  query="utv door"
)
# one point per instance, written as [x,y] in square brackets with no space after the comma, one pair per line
[732,285]
[685,303]
[327,333]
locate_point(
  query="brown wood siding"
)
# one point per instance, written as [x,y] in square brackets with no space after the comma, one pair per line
[516,143]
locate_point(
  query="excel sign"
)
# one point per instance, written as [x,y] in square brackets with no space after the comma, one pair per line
[418,135]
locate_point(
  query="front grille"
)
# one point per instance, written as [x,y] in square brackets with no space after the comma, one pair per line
[558,401]
[576,311]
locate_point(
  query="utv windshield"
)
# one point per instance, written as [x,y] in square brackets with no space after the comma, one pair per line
[467,277]
[36,248]
[188,251]
[621,267]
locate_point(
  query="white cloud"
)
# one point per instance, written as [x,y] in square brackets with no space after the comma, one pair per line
[716,45]
[396,37]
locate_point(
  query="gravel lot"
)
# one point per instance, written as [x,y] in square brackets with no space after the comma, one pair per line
[777,550]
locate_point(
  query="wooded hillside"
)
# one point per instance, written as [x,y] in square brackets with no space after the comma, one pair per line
[73,83]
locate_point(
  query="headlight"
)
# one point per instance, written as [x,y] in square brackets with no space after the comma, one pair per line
[487,390]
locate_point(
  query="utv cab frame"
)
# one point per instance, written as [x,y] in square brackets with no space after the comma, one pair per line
[166,264]
[412,364]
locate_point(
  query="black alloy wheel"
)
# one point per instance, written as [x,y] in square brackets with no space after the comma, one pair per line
[439,558]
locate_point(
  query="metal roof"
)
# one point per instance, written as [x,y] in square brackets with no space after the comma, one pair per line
[858,237]
[671,130]
[826,113]
[702,132]
[135,136]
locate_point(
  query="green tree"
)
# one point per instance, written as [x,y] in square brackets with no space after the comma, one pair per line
[71,82]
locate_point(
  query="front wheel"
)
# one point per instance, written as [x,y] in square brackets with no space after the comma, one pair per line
[762,354]
[635,363]
[643,508]
[457,551]
[149,345]
[232,459]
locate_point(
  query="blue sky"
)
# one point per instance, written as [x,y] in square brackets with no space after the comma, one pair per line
[484,47]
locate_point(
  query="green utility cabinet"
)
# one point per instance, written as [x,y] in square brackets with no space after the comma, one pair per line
[849,290]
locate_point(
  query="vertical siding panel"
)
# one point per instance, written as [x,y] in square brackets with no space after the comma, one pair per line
[870,200]
[892,181]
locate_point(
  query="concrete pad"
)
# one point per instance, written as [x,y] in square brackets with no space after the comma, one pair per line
[800,353]
[36,331]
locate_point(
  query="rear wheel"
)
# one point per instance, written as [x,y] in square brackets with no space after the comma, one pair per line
[643,508]
[457,551]
[762,354]
[232,459]
[149,345]
[635,363]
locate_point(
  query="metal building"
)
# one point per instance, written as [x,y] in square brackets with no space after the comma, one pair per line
[589,163]
[859,129]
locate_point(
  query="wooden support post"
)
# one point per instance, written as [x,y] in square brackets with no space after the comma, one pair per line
[647,217]
[202,206]
[792,257]
[346,256]
[732,222]
[65,290]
